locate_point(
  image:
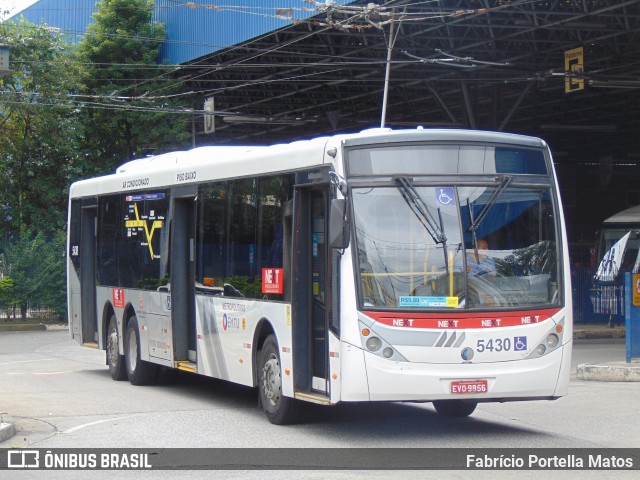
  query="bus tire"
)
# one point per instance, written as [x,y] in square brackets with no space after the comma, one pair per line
[455,408]
[280,410]
[138,371]
[115,361]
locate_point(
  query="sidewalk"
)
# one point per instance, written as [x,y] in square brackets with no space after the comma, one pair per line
[25,327]
[606,371]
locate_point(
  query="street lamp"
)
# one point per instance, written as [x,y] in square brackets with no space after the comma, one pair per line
[4,60]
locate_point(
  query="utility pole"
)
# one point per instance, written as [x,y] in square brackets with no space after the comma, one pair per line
[387,73]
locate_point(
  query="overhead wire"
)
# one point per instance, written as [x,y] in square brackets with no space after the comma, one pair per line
[355,12]
[244,62]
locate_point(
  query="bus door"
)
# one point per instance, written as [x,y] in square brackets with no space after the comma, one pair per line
[310,294]
[182,273]
[87,254]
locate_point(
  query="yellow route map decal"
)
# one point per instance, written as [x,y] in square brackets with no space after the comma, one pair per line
[143,224]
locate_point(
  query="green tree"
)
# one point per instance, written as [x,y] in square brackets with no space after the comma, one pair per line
[131,91]
[7,296]
[40,130]
[36,266]
[39,157]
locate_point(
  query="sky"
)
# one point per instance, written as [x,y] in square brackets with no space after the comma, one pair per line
[14,6]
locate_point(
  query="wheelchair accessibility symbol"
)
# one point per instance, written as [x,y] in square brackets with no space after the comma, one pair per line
[520,344]
[445,195]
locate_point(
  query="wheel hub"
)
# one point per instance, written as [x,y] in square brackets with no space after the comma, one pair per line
[271,380]
[112,348]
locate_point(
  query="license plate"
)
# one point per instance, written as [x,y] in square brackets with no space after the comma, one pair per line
[469,386]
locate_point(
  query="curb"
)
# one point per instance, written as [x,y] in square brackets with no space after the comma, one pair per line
[27,327]
[7,430]
[610,372]
[21,327]
[598,332]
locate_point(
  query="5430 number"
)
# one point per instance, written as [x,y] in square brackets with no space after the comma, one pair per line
[494,345]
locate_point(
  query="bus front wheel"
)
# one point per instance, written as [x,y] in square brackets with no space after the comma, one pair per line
[280,410]
[115,361]
[138,371]
[455,408]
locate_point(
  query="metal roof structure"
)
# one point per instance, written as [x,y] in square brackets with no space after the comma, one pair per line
[484,64]
[497,65]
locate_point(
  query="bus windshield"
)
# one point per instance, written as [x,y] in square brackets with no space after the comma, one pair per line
[455,246]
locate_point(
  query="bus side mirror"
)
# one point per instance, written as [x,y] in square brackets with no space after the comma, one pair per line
[338,224]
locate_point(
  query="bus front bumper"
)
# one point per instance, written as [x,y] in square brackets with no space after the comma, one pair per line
[546,377]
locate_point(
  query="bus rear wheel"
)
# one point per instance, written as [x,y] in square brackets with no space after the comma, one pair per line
[455,408]
[138,371]
[115,361]
[280,410]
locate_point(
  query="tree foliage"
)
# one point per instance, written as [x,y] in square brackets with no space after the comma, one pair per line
[70,112]
[36,266]
[40,130]
[120,53]
[7,296]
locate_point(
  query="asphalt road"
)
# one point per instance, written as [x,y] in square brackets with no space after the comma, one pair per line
[60,395]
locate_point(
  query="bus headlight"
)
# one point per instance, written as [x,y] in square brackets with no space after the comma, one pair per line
[553,340]
[550,342]
[374,344]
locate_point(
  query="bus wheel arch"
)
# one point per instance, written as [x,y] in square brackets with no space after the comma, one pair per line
[279,409]
[114,360]
[107,313]
[139,371]
[262,331]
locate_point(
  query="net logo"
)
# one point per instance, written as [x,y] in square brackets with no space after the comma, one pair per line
[23,459]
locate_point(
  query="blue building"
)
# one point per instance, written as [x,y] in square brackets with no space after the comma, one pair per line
[194,29]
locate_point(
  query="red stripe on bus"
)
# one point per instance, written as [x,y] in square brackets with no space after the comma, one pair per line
[462,320]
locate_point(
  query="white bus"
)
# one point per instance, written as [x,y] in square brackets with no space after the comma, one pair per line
[617,244]
[617,252]
[413,265]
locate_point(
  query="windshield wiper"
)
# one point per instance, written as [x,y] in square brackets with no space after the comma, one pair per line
[421,210]
[505,180]
[435,228]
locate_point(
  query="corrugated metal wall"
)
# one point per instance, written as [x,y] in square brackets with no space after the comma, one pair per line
[194,28]
[70,16]
[215,25]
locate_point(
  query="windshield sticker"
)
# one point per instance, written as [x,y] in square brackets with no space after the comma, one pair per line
[445,195]
[448,302]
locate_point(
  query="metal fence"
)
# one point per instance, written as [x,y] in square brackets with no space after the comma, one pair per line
[33,312]
[597,301]
[608,302]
